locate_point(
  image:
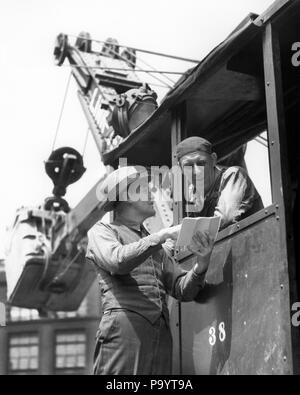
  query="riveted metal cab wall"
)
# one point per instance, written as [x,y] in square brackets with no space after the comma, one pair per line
[241,323]
[236,326]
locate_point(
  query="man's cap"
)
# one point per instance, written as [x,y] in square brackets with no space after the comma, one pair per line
[117,182]
[193,144]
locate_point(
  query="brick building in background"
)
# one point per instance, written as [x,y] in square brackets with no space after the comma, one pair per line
[60,345]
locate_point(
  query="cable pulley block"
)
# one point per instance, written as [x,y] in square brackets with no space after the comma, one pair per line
[56,204]
[60,49]
[64,167]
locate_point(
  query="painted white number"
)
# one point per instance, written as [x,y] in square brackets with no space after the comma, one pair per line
[222,333]
[212,337]
[212,334]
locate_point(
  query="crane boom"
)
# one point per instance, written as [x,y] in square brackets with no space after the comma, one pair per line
[56,271]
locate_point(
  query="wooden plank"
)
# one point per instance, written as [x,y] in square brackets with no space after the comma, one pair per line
[279,170]
[175,313]
[176,138]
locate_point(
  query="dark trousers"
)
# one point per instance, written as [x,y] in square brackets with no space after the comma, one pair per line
[128,344]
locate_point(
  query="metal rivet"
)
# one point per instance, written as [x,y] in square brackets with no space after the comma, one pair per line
[278,218]
[266,211]
[285,358]
[272,142]
[268,84]
[281,286]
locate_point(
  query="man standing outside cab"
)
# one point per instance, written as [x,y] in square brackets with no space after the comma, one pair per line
[228,191]
[136,273]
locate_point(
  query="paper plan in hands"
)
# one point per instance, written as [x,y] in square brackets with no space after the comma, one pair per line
[192,225]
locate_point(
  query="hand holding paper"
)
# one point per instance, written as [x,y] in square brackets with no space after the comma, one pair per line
[198,236]
[202,246]
[191,226]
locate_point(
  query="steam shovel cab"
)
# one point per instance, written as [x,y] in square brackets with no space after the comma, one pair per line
[245,88]
[248,85]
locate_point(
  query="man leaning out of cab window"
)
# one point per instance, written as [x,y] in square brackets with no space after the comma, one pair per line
[228,191]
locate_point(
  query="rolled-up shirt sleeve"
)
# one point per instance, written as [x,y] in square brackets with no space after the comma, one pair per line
[181,284]
[237,196]
[107,252]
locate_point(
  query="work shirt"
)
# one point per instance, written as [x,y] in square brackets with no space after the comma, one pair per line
[136,273]
[233,196]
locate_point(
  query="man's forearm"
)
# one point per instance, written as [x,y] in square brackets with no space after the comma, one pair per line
[188,286]
[123,259]
[119,259]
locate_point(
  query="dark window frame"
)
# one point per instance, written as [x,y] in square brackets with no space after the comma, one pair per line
[70,332]
[19,335]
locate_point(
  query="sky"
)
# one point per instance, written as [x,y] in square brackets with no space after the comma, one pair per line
[32,87]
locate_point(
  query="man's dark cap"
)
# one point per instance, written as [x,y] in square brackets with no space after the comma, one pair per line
[193,144]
